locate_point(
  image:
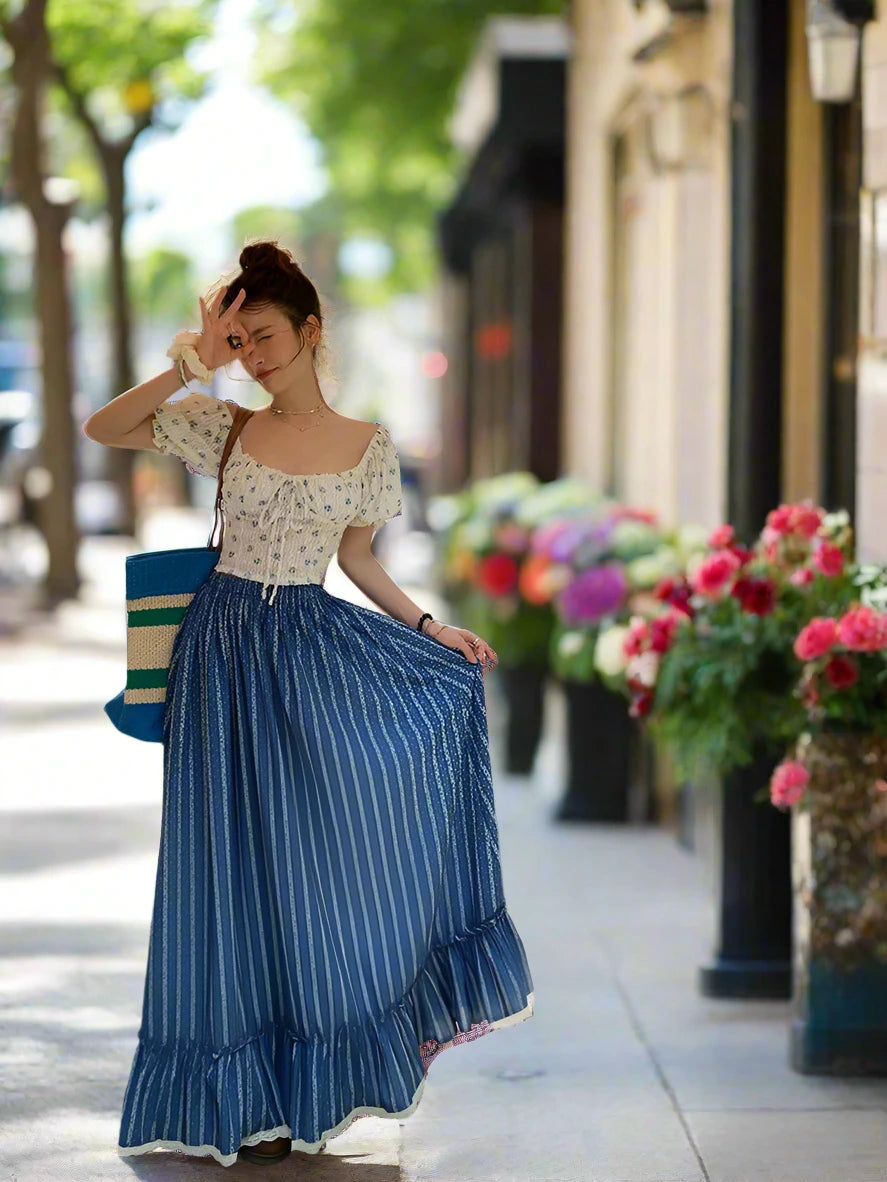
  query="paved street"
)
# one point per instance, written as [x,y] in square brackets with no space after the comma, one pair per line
[624,1074]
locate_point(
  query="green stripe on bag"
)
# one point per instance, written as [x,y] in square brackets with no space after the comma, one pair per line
[147,617]
[146,678]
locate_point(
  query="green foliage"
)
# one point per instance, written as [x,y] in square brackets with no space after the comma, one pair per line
[519,632]
[721,691]
[128,56]
[163,286]
[376,86]
[571,652]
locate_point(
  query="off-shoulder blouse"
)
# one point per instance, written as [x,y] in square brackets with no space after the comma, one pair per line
[279,528]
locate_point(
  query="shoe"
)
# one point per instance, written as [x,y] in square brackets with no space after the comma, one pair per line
[267,1151]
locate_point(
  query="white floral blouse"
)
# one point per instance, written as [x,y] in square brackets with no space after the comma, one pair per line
[279,528]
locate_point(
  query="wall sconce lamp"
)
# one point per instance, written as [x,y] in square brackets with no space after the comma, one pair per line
[834,36]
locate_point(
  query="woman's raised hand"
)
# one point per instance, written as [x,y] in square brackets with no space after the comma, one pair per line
[213,347]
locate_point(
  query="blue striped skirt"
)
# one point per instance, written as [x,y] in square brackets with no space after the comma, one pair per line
[329,913]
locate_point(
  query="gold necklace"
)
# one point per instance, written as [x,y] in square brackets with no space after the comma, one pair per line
[275,410]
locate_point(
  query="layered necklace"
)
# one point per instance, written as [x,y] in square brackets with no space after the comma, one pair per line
[318,410]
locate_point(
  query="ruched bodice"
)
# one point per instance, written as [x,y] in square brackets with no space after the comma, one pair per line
[279,528]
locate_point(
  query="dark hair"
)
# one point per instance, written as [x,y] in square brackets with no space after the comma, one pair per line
[270,275]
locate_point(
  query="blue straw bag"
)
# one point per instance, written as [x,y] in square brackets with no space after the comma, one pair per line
[160,585]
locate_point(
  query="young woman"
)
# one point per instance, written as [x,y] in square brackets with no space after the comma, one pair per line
[329,913]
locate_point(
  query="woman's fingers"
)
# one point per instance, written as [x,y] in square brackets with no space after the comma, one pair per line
[235,304]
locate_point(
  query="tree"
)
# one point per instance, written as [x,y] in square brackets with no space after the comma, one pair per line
[163,285]
[376,85]
[122,68]
[50,208]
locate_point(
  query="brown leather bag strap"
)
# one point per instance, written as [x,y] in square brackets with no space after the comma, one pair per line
[240,415]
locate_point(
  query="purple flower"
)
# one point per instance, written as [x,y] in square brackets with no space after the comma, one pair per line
[593,593]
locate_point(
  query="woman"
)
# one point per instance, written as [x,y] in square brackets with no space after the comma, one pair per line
[329,913]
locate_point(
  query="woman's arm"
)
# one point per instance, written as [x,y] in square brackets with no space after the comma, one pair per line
[356,560]
[127,420]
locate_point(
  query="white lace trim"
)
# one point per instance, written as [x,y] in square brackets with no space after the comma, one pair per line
[230,1159]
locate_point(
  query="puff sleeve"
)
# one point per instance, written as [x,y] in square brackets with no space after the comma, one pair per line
[195,429]
[382,496]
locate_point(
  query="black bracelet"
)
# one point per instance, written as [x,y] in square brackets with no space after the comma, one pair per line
[424,616]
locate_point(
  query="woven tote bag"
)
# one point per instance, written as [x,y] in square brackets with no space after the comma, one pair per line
[160,585]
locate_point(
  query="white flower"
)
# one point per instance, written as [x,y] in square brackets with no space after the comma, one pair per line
[644,669]
[690,538]
[609,654]
[570,644]
[650,569]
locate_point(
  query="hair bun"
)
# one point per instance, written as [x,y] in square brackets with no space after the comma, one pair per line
[268,255]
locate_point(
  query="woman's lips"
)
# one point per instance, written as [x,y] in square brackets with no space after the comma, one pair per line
[260,377]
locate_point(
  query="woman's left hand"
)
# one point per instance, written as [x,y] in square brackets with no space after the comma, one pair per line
[466,641]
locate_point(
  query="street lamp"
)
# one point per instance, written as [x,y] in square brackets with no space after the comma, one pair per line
[834,35]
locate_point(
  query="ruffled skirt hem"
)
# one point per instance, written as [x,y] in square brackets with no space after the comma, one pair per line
[229,1159]
[483,970]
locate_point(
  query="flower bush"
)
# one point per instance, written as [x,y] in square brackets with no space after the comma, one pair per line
[717,667]
[609,564]
[499,586]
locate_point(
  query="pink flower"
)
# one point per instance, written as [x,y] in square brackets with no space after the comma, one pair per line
[806,519]
[803,519]
[816,639]
[787,783]
[722,537]
[841,673]
[802,577]
[779,521]
[828,559]
[715,572]
[863,630]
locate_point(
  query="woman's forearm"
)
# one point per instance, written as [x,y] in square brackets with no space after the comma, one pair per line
[368,574]
[124,413]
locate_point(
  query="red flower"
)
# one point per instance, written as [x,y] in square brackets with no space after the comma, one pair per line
[744,555]
[715,572]
[497,574]
[828,559]
[841,673]
[641,704]
[816,639]
[757,596]
[662,630]
[675,592]
[636,638]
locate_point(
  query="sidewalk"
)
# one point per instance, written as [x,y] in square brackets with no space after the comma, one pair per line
[624,1074]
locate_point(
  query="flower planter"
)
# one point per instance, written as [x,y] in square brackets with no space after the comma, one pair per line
[754,950]
[608,758]
[523,690]
[839,1024]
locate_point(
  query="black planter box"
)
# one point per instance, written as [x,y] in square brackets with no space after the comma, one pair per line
[609,760]
[754,952]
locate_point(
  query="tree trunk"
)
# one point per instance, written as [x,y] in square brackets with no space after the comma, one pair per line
[56,514]
[113,159]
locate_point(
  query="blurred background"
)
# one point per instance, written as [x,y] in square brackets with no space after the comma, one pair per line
[617,265]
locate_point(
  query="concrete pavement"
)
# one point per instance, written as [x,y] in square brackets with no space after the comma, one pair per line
[624,1074]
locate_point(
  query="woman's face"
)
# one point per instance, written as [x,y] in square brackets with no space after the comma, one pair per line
[277,344]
